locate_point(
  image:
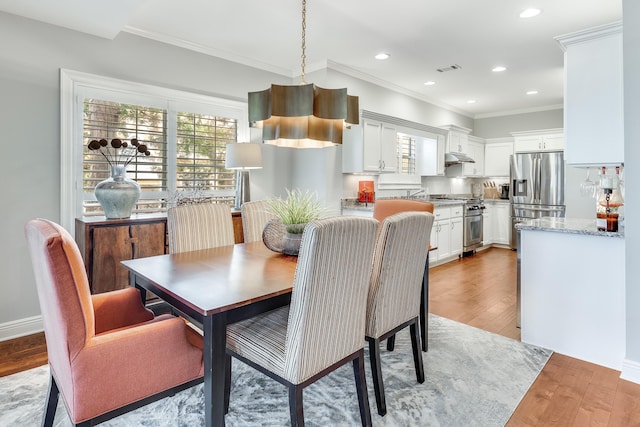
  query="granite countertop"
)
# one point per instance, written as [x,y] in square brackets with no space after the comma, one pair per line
[567,225]
[355,205]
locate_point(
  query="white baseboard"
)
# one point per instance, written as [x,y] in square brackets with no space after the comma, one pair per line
[20,328]
[631,371]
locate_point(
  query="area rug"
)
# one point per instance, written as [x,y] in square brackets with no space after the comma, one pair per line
[473,378]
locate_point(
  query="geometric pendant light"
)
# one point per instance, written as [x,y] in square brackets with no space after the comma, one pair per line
[305,115]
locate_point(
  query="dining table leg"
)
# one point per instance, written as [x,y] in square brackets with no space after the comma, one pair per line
[214,348]
[424,307]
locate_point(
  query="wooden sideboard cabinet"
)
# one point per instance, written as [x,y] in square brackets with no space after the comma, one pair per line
[103,243]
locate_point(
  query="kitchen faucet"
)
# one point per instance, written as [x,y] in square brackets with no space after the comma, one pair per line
[415,193]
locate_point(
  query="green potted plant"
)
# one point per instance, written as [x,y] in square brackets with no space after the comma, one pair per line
[295,212]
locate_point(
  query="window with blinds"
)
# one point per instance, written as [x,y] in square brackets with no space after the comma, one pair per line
[193,161]
[406,154]
[201,150]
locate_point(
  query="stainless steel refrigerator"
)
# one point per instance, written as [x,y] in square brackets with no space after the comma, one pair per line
[537,187]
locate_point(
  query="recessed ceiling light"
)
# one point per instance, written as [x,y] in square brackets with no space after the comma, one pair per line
[532,92]
[429,83]
[498,69]
[471,101]
[382,56]
[530,13]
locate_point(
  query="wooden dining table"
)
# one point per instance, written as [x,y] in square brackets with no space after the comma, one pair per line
[220,286]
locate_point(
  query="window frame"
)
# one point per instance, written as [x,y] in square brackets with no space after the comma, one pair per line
[75,86]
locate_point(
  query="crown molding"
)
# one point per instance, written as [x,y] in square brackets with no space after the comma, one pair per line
[519,111]
[589,34]
[385,84]
[208,50]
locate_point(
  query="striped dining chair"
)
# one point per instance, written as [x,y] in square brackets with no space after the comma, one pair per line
[396,283]
[255,216]
[199,226]
[386,207]
[323,327]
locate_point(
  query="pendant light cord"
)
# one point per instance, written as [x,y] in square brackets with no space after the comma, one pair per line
[304,34]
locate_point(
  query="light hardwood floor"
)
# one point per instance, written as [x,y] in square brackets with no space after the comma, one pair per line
[479,291]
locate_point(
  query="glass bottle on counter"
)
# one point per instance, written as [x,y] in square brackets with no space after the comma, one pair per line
[609,202]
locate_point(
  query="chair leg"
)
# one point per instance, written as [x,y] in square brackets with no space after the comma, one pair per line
[361,388]
[227,382]
[417,351]
[376,372]
[295,405]
[391,342]
[51,404]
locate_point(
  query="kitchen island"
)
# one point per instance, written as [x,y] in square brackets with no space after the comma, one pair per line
[571,280]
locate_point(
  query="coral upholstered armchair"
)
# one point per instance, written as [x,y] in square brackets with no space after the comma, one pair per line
[107,353]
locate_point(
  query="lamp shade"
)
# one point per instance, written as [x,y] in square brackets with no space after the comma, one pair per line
[243,156]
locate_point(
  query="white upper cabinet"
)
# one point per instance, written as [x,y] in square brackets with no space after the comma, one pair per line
[593,100]
[475,150]
[497,158]
[369,147]
[457,139]
[538,140]
[379,146]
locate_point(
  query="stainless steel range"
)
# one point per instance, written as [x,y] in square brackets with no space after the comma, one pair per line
[472,225]
[472,220]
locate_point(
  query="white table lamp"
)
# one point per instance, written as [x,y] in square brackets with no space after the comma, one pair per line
[242,157]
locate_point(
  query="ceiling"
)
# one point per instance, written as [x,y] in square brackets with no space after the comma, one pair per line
[419,35]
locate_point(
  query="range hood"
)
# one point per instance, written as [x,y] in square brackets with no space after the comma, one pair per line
[456,158]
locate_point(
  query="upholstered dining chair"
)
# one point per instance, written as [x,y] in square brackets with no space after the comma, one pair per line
[107,353]
[394,295]
[385,207]
[199,226]
[255,216]
[323,327]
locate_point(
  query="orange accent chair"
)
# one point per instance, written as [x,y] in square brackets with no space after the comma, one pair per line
[108,354]
[387,207]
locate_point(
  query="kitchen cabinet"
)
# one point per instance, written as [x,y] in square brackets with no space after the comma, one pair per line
[497,158]
[358,212]
[475,150]
[496,223]
[369,147]
[593,96]
[502,223]
[487,224]
[538,140]
[446,234]
[457,138]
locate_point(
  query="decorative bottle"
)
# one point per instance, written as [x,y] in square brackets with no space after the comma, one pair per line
[609,202]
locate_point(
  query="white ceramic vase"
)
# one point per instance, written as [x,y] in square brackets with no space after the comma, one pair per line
[117,194]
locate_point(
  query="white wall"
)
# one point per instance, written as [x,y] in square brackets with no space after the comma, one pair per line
[31,57]
[631,53]
[500,127]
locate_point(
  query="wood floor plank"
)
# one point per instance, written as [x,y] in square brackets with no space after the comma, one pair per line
[626,405]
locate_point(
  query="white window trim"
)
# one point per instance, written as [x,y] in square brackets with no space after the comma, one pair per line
[74,85]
